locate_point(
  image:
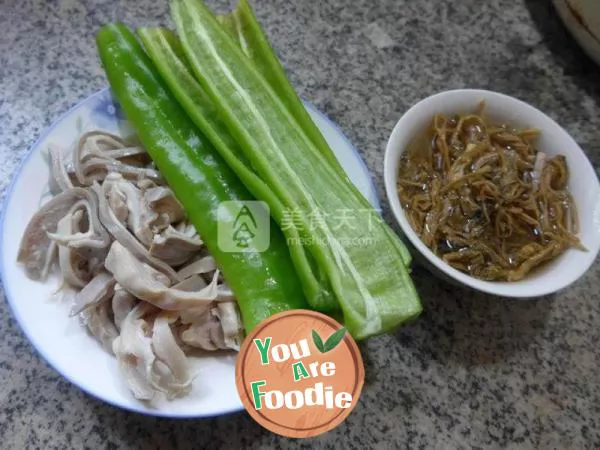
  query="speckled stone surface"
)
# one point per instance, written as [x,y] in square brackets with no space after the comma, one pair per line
[473,371]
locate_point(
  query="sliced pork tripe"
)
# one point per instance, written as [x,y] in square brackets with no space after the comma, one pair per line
[124,236]
[219,328]
[37,245]
[174,247]
[73,267]
[122,303]
[117,202]
[59,178]
[162,201]
[193,283]
[82,243]
[96,169]
[111,147]
[84,233]
[206,264]
[135,356]
[146,212]
[99,289]
[98,153]
[149,357]
[231,323]
[98,322]
[205,332]
[141,220]
[135,277]
[171,366]
[225,292]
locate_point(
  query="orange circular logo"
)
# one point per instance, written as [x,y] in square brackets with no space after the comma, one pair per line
[299,373]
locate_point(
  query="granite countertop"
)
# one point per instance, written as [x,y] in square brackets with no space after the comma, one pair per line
[473,371]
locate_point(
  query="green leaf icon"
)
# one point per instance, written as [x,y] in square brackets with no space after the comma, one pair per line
[318,341]
[333,340]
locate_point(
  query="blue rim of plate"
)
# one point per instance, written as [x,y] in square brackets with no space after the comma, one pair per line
[7,197]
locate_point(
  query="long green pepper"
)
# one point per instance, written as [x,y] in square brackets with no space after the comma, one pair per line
[244,28]
[370,281]
[264,282]
[164,49]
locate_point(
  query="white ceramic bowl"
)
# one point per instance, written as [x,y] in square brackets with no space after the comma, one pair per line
[583,185]
[582,19]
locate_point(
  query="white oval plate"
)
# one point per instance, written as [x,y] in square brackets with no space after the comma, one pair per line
[61,340]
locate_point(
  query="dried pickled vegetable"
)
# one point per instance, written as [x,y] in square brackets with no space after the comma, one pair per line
[483,198]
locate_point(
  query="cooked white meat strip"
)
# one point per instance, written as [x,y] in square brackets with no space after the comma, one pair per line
[205,333]
[192,315]
[126,239]
[59,178]
[110,146]
[135,356]
[173,247]
[218,328]
[87,235]
[186,228]
[97,141]
[96,169]
[82,152]
[146,183]
[162,201]
[193,283]
[100,325]
[133,276]
[140,218]
[99,289]
[118,203]
[158,276]
[176,380]
[122,304]
[224,292]
[206,264]
[97,152]
[92,159]
[135,156]
[47,262]
[36,249]
[73,267]
[231,323]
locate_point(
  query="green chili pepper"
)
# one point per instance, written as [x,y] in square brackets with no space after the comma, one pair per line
[247,32]
[366,270]
[244,28]
[165,51]
[264,283]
